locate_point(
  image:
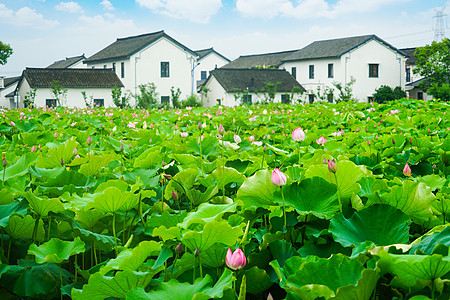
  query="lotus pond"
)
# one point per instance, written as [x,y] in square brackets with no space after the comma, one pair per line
[227,203]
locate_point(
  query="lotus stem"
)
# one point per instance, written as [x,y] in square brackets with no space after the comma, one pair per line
[338,193]
[201,153]
[114,233]
[35,229]
[60,280]
[284,208]
[200,266]
[299,154]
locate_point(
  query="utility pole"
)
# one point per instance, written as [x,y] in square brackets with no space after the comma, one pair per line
[438,24]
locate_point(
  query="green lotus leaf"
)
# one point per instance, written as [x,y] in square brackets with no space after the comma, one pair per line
[226,175]
[101,287]
[435,182]
[149,159]
[197,197]
[43,173]
[409,269]
[167,233]
[132,259]
[347,174]
[163,256]
[18,207]
[42,206]
[201,289]
[214,256]
[95,163]
[56,250]
[22,228]
[413,198]
[56,155]
[257,190]
[185,177]
[21,166]
[341,275]
[213,232]
[113,200]
[381,224]
[428,243]
[257,279]
[209,146]
[102,242]
[6,197]
[149,177]
[166,219]
[206,213]
[314,196]
[87,218]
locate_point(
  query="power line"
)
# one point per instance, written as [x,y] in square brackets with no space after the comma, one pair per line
[408,34]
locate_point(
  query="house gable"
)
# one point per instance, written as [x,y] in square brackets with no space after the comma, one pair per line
[67,63]
[259,60]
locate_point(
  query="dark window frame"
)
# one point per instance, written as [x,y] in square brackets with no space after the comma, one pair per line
[374,70]
[165,100]
[294,72]
[99,102]
[311,71]
[285,99]
[203,75]
[311,98]
[331,70]
[52,101]
[165,69]
[122,70]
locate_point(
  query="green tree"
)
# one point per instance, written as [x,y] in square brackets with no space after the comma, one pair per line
[270,90]
[175,93]
[386,93]
[5,52]
[119,100]
[433,63]
[59,92]
[30,96]
[148,98]
[345,92]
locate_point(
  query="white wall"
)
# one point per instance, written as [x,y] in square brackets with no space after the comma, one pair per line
[4,102]
[148,68]
[355,64]
[208,63]
[73,98]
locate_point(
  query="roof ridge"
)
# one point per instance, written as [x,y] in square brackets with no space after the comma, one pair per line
[269,53]
[141,35]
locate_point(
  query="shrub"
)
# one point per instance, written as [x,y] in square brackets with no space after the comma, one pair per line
[386,93]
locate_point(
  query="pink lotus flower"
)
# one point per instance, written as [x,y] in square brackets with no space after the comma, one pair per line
[221,129]
[407,170]
[321,141]
[12,124]
[33,149]
[236,260]
[55,135]
[184,134]
[89,140]
[332,167]
[278,178]
[298,135]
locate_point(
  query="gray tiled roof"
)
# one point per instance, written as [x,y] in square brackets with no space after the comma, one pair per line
[265,59]
[253,79]
[10,80]
[123,48]
[66,63]
[334,48]
[411,57]
[71,78]
[202,53]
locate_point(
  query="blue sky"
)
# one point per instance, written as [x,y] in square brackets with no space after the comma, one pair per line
[43,31]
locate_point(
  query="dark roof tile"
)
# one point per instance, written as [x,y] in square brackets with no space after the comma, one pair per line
[254,79]
[252,61]
[72,78]
[66,63]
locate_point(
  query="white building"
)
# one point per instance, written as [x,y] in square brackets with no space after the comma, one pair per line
[95,84]
[7,88]
[208,60]
[368,59]
[231,87]
[154,58]
[412,80]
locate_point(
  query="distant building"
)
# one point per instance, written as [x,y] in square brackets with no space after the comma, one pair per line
[7,88]
[413,80]
[96,84]
[208,60]
[231,87]
[75,62]
[262,61]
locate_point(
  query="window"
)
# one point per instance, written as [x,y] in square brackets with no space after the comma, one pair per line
[373,70]
[311,98]
[99,102]
[408,74]
[164,69]
[294,72]
[218,101]
[50,102]
[165,100]
[285,99]
[203,75]
[104,66]
[247,99]
[311,71]
[420,95]
[122,70]
[330,70]
[114,67]
[370,99]
[330,98]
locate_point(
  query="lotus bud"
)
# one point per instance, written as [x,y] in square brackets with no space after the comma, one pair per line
[121,148]
[265,148]
[332,167]
[269,297]
[278,178]
[55,135]
[221,129]
[199,125]
[298,135]
[167,176]
[197,252]
[5,162]
[179,249]
[62,162]
[407,170]
[175,196]
[434,166]
[235,260]
[89,140]
[75,151]
[33,149]
[393,142]
[237,139]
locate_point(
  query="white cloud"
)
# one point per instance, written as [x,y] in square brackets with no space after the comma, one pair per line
[107,5]
[71,6]
[306,9]
[25,17]
[199,11]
